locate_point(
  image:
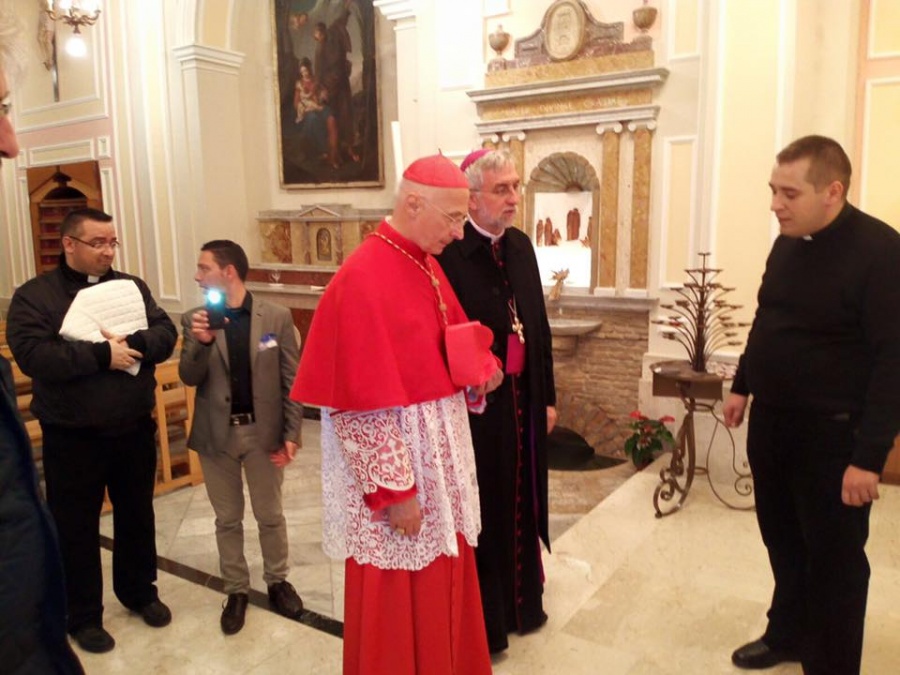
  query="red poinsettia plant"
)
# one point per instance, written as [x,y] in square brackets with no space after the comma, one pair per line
[648,436]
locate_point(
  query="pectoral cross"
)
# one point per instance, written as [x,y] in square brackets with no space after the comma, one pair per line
[519,329]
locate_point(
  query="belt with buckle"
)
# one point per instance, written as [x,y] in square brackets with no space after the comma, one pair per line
[241,419]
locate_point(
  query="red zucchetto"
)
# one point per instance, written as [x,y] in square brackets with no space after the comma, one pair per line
[473,157]
[436,171]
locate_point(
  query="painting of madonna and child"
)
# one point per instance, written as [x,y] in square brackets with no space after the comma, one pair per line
[327,93]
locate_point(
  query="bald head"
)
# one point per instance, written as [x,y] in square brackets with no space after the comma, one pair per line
[431,217]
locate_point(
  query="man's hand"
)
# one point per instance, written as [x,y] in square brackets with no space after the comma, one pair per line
[493,382]
[200,327]
[284,455]
[859,486]
[551,418]
[121,356]
[733,410]
[405,518]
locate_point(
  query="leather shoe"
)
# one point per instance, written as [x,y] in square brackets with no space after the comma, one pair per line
[284,600]
[234,612]
[93,639]
[757,655]
[156,614]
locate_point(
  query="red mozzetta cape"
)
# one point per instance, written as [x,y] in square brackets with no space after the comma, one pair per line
[377,338]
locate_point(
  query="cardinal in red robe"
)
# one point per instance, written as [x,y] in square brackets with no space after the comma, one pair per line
[400,494]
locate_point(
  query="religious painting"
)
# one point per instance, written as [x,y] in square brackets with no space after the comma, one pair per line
[329,120]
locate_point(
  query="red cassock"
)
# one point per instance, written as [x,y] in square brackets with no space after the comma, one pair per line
[395,425]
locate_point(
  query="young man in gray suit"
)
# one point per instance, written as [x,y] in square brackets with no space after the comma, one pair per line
[244,420]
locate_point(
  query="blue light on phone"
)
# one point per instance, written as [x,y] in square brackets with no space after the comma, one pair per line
[213,296]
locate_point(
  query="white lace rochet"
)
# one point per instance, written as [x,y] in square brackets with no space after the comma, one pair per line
[427,444]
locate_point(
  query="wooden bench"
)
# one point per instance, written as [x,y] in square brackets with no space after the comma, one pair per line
[174,413]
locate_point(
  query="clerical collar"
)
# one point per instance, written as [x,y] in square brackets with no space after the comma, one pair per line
[80,277]
[839,220]
[484,233]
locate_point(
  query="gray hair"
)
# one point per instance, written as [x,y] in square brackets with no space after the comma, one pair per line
[12,61]
[495,160]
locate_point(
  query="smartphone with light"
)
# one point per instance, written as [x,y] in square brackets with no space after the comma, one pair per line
[215,308]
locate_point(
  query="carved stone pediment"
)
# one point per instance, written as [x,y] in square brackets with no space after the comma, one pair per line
[569,32]
[571,71]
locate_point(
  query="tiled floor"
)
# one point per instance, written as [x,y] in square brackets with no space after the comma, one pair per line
[626,592]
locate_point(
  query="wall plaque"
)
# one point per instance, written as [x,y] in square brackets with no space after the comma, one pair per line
[564,29]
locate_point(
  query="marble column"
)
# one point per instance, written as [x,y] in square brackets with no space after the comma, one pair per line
[604,244]
[640,204]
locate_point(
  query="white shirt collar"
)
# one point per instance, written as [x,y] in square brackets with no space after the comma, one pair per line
[484,233]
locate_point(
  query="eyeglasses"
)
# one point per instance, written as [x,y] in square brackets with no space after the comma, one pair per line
[5,107]
[97,244]
[503,189]
[450,218]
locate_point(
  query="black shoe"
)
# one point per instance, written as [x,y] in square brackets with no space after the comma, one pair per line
[155,614]
[757,655]
[93,639]
[233,613]
[284,600]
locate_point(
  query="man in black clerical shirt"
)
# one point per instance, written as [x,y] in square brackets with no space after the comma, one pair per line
[494,273]
[244,422]
[823,366]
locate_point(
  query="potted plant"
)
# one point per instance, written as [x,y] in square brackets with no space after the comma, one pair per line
[648,436]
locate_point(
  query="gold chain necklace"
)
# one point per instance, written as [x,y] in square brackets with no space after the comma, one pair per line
[435,282]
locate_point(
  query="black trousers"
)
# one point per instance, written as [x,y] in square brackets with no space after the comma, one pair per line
[78,466]
[815,543]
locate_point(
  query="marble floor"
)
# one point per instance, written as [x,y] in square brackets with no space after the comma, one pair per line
[626,593]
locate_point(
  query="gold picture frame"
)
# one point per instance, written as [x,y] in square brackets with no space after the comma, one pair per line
[326,94]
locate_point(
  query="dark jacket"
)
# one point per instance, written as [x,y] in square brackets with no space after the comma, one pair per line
[826,337]
[32,593]
[478,284]
[72,383]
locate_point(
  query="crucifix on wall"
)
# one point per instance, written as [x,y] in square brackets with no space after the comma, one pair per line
[47,41]
[74,13]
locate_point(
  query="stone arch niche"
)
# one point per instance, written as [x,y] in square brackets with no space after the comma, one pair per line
[564,173]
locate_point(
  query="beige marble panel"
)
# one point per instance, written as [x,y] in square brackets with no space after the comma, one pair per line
[609,210]
[640,209]
[300,244]
[556,105]
[275,236]
[568,69]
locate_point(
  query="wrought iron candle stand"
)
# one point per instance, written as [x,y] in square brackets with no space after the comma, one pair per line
[701,322]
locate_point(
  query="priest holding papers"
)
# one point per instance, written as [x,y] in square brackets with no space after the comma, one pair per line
[89,337]
[395,368]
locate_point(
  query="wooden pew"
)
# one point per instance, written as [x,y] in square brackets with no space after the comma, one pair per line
[174,413]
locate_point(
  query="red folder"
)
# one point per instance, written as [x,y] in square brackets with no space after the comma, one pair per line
[469,353]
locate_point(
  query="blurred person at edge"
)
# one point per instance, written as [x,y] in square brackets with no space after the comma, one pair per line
[32,590]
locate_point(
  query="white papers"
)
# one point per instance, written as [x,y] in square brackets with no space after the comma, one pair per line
[115,306]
